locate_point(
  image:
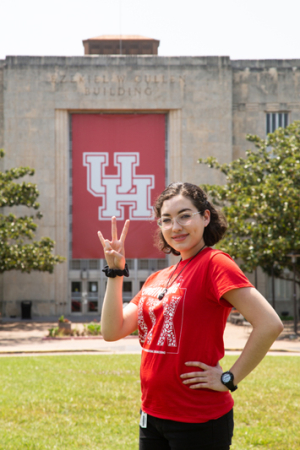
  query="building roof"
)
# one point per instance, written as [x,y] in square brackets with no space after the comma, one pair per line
[123,37]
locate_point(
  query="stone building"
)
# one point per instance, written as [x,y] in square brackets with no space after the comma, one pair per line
[209,104]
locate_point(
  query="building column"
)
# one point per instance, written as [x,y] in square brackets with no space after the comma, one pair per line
[175,154]
[61,208]
[1,162]
[175,146]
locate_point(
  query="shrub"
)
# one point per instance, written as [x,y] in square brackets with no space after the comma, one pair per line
[93,329]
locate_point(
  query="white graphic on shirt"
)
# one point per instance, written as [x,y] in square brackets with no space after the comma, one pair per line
[168,331]
[151,303]
[160,322]
[142,325]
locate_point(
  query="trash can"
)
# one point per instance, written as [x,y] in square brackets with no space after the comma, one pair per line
[26,309]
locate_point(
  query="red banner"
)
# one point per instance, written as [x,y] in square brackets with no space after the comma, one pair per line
[118,169]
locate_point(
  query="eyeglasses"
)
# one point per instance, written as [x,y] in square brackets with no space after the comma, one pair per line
[183,219]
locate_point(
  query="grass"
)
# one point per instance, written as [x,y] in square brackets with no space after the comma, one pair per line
[69,402]
[267,406]
[92,402]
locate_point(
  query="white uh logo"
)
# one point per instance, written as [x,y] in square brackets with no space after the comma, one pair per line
[125,188]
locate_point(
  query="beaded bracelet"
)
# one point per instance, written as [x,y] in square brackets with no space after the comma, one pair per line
[113,273]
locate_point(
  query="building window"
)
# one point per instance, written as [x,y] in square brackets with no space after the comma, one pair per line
[152,264]
[276,120]
[143,264]
[162,264]
[283,291]
[130,263]
[75,264]
[84,264]
[94,264]
[93,296]
[127,286]
[76,296]
[127,291]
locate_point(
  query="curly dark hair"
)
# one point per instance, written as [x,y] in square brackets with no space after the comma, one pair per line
[213,232]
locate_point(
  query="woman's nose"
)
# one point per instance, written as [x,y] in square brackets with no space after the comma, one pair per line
[176,226]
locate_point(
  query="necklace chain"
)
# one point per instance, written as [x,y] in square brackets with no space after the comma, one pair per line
[165,290]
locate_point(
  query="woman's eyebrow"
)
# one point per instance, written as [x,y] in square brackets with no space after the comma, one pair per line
[179,212]
[185,209]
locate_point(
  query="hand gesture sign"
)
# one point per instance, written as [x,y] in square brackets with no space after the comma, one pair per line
[114,250]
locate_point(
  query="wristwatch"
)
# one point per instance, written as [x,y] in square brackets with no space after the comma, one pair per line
[227,380]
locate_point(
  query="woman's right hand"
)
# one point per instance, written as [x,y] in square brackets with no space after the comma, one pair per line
[114,250]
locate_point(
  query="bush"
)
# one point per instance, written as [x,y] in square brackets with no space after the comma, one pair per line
[63,320]
[93,329]
[58,332]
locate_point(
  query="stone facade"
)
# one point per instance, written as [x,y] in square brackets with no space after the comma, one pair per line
[211,104]
[260,87]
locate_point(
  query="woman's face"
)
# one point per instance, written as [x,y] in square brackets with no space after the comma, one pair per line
[187,239]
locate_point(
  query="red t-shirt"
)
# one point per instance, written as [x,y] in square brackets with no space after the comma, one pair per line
[186,325]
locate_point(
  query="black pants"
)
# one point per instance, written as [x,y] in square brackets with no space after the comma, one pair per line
[162,434]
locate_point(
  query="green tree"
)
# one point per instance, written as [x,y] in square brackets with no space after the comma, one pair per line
[18,250]
[261,202]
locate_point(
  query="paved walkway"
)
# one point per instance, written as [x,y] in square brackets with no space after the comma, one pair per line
[29,338]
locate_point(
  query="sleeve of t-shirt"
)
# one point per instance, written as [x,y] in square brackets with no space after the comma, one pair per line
[136,298]
[225,275]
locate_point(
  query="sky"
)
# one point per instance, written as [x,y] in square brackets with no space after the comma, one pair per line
[240,29]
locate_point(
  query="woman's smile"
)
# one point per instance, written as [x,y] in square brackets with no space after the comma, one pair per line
[179,237]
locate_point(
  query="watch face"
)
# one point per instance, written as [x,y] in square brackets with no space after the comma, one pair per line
[226,377]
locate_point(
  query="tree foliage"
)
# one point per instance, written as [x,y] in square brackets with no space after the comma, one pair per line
[261,202]
[18,250]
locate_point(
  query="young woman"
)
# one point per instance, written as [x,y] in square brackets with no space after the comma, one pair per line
[181,314]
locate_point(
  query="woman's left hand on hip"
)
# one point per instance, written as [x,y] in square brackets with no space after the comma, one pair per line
[208,377]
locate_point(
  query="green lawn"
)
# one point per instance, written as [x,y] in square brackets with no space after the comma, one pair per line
[92,402]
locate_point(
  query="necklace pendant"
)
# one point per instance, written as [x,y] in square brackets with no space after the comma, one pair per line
[162,294]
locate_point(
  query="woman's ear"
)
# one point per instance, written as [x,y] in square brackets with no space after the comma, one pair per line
[206,217]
